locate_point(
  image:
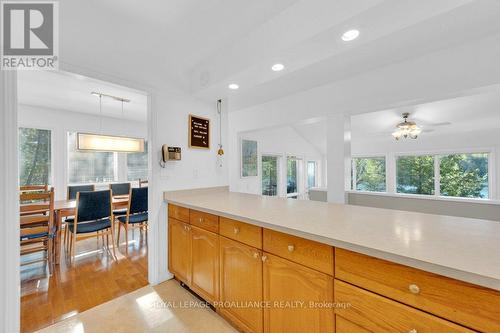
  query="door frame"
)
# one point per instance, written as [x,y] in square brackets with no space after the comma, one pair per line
[10,316]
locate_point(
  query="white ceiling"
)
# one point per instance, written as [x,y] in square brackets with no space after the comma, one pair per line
[201,46]
[473,113]
[72,93]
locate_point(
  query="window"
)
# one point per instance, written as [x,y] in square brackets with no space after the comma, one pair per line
[369,174]
[89,167]
[464,175]
[311,174]
[415,174]
[270,175]
[292,177]
[137,164]
[34,156]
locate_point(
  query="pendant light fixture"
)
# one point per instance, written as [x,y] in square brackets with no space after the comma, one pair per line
[108,143]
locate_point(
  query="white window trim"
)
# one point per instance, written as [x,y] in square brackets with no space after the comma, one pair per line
[279,157]
[316,174]
[353,167]
[300,176]
[391,174]
[52,146]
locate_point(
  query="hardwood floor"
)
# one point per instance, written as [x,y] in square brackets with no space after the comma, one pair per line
[95,278]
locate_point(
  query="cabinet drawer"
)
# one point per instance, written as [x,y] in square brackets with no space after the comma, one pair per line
[375,313]
[343,325]
[308,253]
[469,305]
[242,232]
[178,213]
[204,220]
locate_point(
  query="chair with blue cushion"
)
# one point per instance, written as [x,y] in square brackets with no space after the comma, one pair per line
[93,218]
[36,225]
[137,213]
[120,189]
[71,195]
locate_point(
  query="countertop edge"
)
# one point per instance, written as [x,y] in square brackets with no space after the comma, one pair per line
[469,277]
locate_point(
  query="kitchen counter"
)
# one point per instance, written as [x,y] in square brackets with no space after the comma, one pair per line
[461,248]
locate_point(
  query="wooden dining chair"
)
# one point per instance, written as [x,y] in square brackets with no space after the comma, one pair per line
[143,182]
[93,218]
[120,189]
[28,188]
[137,213]
[37,225]
[73,190]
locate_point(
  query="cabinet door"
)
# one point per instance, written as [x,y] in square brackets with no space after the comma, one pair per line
[179,250]
[300,298]
[241,285]
[205,264]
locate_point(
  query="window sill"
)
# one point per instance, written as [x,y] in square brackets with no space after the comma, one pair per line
[428,197]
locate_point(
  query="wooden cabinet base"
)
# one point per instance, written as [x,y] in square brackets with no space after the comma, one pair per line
[300,299]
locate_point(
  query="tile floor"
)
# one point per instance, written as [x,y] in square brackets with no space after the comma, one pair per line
[163,308]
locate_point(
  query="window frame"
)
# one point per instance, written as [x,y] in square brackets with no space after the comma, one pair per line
[437,172]
[316,174]
[300,176]
[67,156]
[391,176]
[278,157]
[368,156]
[51,179]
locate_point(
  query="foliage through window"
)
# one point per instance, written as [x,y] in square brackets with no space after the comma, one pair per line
[369,174]
[464,175]
[137,165]
[415,174]
[292,176]
[269,175]
[34,156]
[89,167]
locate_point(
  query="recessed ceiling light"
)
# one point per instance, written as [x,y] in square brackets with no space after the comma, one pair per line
[278,67]
[350,35]
[233,86]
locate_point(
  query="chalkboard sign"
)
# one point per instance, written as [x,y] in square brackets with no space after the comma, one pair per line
[199,132]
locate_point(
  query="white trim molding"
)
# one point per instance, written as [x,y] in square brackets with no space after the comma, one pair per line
[9,206]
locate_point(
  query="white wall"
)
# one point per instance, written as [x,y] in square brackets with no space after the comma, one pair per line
[440,75]
[488,141]
[60,122]
[280,141]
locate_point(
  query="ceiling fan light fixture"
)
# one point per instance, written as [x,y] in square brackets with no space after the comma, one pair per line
[406,129]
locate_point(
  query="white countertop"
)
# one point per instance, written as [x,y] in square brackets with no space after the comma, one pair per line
[461,248]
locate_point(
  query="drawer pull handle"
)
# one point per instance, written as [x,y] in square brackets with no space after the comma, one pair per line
[414,289]
[236,230]
[264,258]
[412,331]
[255,255]
[291,248]
[200,219]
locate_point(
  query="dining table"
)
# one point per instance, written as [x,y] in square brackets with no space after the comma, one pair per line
[66,208]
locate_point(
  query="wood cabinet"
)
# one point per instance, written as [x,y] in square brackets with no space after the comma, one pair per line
[241,285]
[203,220]
[205,263]
[303,251]
[376,314]
[300,298]
[179,213]
[262,280]
[461,302]
[241,232]
[179,250]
